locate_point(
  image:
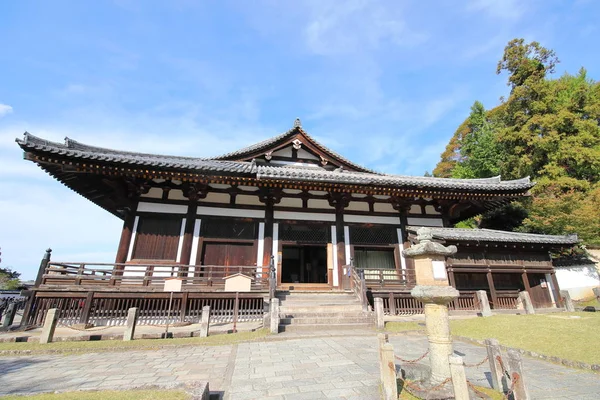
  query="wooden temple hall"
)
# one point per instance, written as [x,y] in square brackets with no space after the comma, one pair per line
[287,204]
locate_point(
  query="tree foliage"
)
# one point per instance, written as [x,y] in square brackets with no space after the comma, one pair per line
[547,129]
[9,279]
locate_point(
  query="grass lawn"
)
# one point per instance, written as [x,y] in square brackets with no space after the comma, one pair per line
[107,394]
[550,334]
[493,395]
[141,344]
[591,302]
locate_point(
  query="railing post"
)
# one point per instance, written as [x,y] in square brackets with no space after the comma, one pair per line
[132,317]
[49,326]
[236,310]
[205,321]
[43,266]
[9,317]
[272,278]
[85,314]
[567,301]
[484,304]
[524,302]
[184,301]
[392,304]
[363,290]
[379,313]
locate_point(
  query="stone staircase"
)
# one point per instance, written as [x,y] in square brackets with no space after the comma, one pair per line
[304,311]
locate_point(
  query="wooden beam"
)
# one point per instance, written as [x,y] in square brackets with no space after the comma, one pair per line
[493,293]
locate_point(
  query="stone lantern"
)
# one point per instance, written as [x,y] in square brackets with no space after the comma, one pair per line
[434,291]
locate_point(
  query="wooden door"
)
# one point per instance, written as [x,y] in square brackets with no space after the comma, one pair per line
[540,291]
[227,255]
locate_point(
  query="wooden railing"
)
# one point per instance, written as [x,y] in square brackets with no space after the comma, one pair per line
[205,277]
[465,301]
[506,300]
[405,304]
[385,278]
[359,286]
[102,309]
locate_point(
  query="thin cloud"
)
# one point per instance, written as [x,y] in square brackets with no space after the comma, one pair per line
[5,109]
[508,10]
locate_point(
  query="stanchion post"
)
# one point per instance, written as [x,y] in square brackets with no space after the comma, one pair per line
[388,373]
[496,370]
[459,377]
[569,307]
[10,316]
[515,362]
[484,304]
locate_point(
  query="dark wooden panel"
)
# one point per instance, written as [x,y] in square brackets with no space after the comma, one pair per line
[157,238]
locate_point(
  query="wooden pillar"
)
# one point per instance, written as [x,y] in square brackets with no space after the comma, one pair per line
[126,235]
[451,277]
[526,282]
[558,299]
[341,247]
[268,239]
[490,280]
[188,237]
[87,307]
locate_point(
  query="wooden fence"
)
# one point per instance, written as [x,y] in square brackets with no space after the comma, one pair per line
[145,276]
[107,309]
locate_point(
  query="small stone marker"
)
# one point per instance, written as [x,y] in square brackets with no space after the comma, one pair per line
[459,377]
[49,326]
[484,304]
[524,302]
[11,311]
[494,357]
[388,373]
[383,339]
[379,314]
[569,307]
[515,362]
[274,315]
[205,321]
[132,317]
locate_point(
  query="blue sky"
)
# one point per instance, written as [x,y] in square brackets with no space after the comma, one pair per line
[385,83]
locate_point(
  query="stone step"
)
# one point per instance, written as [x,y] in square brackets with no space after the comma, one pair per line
[324,327]
[326,320]
[318,298]
[317,309]
[339,314]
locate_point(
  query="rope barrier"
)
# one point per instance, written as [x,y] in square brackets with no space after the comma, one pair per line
[477,364]
[412,361]
[428,391]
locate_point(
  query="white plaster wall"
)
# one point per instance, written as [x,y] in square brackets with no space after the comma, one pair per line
[358,206]
[318,203]
[289,202]
[383,207]
[292,191]
[285,152]
[415,209]
[219,186]
[153,193]
[248,188]
[249,200]
[429,209]
[306,155]
[578,280]
[176,194]
[161,208]
[222,198]
[415,221]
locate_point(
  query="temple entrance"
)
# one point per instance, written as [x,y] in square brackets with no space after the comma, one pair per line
[304,264]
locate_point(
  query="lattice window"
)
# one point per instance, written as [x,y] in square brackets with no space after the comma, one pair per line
[304,233]
[228,229]
[373,235]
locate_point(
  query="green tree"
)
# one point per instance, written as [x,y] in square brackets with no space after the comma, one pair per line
[9,280]
[547,129]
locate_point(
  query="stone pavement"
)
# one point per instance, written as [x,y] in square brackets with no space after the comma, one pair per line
[338,365]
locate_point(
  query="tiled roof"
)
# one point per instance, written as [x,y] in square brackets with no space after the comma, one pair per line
[76,150]
[363,178]
[490,235]
[265,144]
